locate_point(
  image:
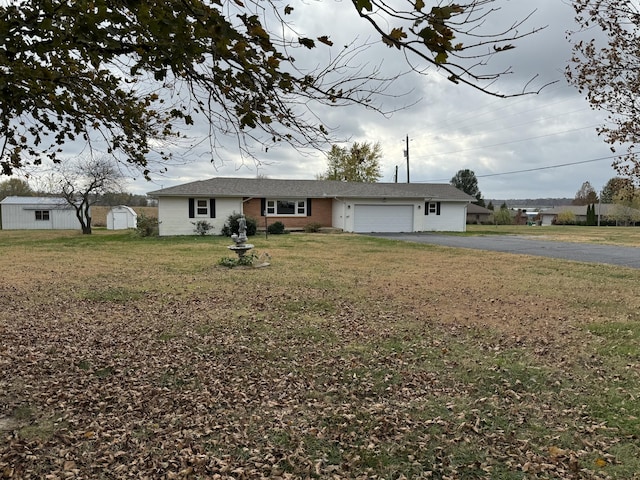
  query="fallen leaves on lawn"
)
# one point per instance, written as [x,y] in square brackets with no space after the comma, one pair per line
[217,379]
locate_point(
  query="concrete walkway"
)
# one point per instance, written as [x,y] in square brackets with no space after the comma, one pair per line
[580,252]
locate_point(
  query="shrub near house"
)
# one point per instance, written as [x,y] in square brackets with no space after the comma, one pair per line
[232,225]
[566,217]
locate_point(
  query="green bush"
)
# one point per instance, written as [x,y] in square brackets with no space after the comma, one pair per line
[231,225]
[312,227]
[502,217]
[147,226]
[276,228]
[202,227]
[247,260]
[566,217]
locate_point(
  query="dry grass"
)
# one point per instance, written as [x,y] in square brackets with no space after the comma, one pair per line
[628,236]
[348,357]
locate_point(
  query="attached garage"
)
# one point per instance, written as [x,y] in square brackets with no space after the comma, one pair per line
[383,218]
[349,206]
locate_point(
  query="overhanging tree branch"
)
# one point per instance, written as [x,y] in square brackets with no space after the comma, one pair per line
[606,68]
[118,69]
[437,37]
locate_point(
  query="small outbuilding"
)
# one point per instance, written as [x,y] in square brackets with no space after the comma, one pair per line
[121,218]
[38,213]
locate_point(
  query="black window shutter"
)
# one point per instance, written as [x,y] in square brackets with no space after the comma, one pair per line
[438,208]
[426,208]
[308,207]
[263,207]
[212,208]
[192,208]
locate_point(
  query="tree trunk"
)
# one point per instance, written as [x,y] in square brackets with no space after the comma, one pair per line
[82,214]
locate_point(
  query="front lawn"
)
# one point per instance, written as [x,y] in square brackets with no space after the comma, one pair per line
[348,357]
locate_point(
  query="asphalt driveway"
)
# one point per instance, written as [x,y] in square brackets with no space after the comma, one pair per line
[580,252]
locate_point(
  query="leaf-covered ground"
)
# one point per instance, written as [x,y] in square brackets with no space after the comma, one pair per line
[347,357]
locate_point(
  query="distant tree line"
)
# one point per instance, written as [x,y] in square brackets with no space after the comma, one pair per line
[20,188]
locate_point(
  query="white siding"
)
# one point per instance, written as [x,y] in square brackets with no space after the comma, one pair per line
[23,217]
[173,215]
[452,218]
[121,218]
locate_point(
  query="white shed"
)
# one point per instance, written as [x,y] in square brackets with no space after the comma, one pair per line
[121,218]
[38,213]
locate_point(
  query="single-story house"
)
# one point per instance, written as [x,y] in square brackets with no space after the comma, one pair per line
[38,213]
[349,206]
[608,212]
[478,215]
[121,217]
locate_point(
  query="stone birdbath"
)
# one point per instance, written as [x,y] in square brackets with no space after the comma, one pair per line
[240,239]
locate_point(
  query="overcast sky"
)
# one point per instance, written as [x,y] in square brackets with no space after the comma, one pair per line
[542,145]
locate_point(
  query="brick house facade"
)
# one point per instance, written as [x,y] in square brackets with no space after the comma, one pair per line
[321,209]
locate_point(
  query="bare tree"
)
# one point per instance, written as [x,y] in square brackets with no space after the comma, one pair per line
[606,67]
[586,195]
[82,183]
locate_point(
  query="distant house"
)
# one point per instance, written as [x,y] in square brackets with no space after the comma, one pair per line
[351,207]
[121,217]
[478,215]
[609,213]
[38,213]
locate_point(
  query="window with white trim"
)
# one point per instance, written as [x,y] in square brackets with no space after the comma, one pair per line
[202,207]
[287,207]
[42,215]
[432,208]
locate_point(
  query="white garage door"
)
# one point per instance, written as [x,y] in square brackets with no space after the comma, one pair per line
[383,218]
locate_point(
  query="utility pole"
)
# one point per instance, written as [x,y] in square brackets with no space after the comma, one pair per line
[406,154]
[395,177]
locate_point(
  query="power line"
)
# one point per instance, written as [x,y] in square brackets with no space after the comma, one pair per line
[484,110]
[509,142]
[548,167]
[509,127]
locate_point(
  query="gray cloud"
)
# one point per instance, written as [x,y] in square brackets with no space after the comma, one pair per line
[453,126]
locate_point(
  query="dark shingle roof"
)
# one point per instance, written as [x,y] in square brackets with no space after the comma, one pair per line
[477,209]
[266,187]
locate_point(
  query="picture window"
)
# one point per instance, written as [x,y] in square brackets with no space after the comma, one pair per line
[287,207]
